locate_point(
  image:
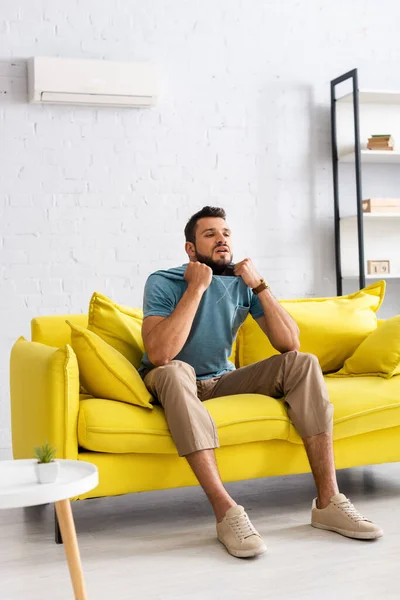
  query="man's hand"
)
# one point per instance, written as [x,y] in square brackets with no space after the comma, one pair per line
[198,276]
[247,271]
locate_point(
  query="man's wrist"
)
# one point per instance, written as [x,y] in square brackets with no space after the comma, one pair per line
[196,289]
[260,287]
[265,292]
[254,283]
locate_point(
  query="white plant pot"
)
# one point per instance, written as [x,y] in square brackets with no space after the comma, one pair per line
[47,472]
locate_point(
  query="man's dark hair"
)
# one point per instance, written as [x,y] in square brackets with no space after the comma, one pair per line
[206,211]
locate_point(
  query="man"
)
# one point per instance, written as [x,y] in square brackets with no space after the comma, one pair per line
[191,317]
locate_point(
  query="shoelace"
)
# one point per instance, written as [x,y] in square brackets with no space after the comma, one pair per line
[242,526]
[350,511]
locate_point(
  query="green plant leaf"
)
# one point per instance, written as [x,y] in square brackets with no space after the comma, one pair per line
[45,453]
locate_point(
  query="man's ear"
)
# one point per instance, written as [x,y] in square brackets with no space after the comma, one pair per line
[190,250]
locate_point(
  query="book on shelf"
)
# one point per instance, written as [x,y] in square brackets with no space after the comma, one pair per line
[380,147]
[380,142]
[385,142]
[383,209]
[381,205]
[383,201]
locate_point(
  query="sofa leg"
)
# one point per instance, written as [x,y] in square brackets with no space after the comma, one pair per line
[57,531]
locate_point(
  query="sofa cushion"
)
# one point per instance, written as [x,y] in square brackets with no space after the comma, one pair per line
[104,372]
[362,405]
[378,354]
[119,326]
[110,426]
[330,328]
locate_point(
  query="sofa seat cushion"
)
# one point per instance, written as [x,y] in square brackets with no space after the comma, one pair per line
[117,427]
[362,405]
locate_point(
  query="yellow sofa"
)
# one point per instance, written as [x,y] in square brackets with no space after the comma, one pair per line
[132,447]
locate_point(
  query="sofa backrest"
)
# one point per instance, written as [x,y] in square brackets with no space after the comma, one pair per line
[53,330]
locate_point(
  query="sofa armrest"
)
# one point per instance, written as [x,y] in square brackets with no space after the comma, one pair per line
[44,387]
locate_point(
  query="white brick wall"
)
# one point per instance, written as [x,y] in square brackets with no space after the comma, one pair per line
[95,199]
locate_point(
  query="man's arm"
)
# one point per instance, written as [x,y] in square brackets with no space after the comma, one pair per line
[164,337]
[281,330]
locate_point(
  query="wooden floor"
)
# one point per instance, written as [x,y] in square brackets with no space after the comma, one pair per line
[162,546]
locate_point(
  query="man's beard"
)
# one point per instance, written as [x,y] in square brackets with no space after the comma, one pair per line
[217,267]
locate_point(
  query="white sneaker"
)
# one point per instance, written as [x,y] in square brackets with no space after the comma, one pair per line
[341,516]
[238,535]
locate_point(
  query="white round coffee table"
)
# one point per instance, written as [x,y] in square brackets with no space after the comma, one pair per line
[19,488]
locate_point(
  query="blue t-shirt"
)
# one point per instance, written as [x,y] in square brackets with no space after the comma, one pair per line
[223,308]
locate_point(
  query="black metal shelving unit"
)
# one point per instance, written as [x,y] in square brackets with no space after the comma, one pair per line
[353,75]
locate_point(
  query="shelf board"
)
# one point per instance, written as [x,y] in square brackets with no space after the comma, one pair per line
[372,156]
[393,215]
[373,97]
[379,277]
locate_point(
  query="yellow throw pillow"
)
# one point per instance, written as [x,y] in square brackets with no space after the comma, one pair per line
[105,372]
[378,354]
[330,328]
[119,326]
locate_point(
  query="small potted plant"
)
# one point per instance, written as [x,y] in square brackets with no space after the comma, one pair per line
[47,469]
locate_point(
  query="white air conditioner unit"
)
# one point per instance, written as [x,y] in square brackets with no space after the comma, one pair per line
[91,82]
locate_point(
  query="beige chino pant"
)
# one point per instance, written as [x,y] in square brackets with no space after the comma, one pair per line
[293,377]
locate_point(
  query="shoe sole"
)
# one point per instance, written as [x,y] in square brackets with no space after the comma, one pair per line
[244,553]
[358,535]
